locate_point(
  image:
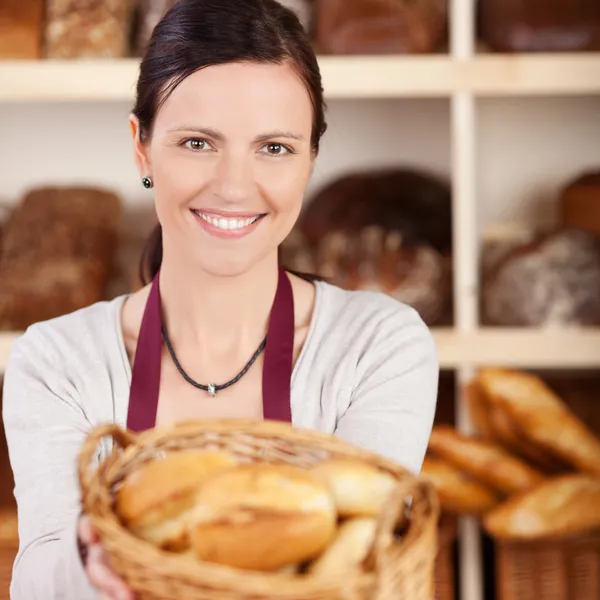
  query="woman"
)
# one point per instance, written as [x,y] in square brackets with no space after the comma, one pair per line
[226,129]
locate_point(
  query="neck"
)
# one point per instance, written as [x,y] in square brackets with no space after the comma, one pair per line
[205,309]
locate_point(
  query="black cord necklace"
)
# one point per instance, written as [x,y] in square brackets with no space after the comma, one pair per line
[211,388]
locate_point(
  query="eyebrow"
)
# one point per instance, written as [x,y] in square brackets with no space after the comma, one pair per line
[207,131]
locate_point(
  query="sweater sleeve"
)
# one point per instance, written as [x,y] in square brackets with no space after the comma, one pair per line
[393,402]
[45,427]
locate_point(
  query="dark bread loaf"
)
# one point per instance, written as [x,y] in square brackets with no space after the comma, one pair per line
[380,26]
[414,204]
[57,253]
[540,25]
[580,202]
[553,281]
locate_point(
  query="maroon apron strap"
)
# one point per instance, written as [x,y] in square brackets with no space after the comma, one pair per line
[145,378]
[279,354]
[277,370]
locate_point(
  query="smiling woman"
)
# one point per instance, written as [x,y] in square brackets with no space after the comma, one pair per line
[226,130]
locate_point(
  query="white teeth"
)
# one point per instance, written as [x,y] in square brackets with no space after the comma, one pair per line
[226,224]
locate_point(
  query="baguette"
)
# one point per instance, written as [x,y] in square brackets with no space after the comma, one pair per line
[484,461]
[542,417]
[562,506]
[458,493]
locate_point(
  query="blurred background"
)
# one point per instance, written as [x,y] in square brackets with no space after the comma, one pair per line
[460,173]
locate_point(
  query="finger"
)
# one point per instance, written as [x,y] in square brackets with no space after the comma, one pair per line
[103,578]
[87,532]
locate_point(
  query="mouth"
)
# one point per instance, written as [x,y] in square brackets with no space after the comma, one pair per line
[234,225]
[227,223]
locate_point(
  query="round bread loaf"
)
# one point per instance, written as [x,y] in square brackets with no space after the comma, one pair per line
[359,490]
[554,281]
[154,501]
[262,517]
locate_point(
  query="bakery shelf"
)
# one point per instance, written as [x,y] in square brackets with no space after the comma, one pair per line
[344,77]
[520,348]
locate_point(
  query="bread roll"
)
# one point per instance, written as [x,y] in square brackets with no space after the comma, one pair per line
[496,424]
[155,500]
[349,548]
[359,489]
[562,506]
[485,461]
[542,417]
[262,517]
[458,493]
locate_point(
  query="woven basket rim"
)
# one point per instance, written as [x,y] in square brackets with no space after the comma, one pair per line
[97,490]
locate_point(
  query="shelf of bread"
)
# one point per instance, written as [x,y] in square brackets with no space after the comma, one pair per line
[435,75]
[529,475]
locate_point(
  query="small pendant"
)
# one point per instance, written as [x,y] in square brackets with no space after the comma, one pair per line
[212,389]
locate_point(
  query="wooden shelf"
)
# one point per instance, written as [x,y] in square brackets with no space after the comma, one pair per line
[519,348]
[343,77]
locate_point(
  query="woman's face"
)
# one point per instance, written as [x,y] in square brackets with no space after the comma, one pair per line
[230,157]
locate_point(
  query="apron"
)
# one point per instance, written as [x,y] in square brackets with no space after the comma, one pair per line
[277,369]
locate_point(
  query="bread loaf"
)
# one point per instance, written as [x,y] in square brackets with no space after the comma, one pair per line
[540,25]
[485,461]
[21,26]
[541,417]
[262,517]
[359,490]
[580,203]
[417,205]
[380,26]
[155,501]
[496,424]
[83,29]
[552,282]
[348,550]
[563,506]
[458,493]
[58,249]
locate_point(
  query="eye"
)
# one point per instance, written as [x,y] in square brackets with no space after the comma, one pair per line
[275,149]
[196,144]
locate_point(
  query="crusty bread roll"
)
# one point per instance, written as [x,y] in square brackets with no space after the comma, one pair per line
[154,500]
[359,489]
[458,493]
[262,517]
[494,422]
[349,548]
[542,417]
[565,505]
[485,461]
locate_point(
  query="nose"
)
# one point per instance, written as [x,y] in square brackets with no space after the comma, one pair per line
[233,179]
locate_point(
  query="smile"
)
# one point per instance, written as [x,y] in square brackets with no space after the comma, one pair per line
[227,224]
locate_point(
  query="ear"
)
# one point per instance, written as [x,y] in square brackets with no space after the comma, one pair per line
[140,150]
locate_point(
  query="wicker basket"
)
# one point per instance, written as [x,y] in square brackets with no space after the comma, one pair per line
[403,571]
[566,569]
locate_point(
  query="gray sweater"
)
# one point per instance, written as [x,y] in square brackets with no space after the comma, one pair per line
[368,372]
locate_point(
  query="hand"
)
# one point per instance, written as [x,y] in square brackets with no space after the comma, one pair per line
[108,584]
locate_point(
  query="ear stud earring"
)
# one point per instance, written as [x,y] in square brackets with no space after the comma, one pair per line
[147,182]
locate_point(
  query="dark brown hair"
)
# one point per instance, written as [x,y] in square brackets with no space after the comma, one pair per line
[199,33]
